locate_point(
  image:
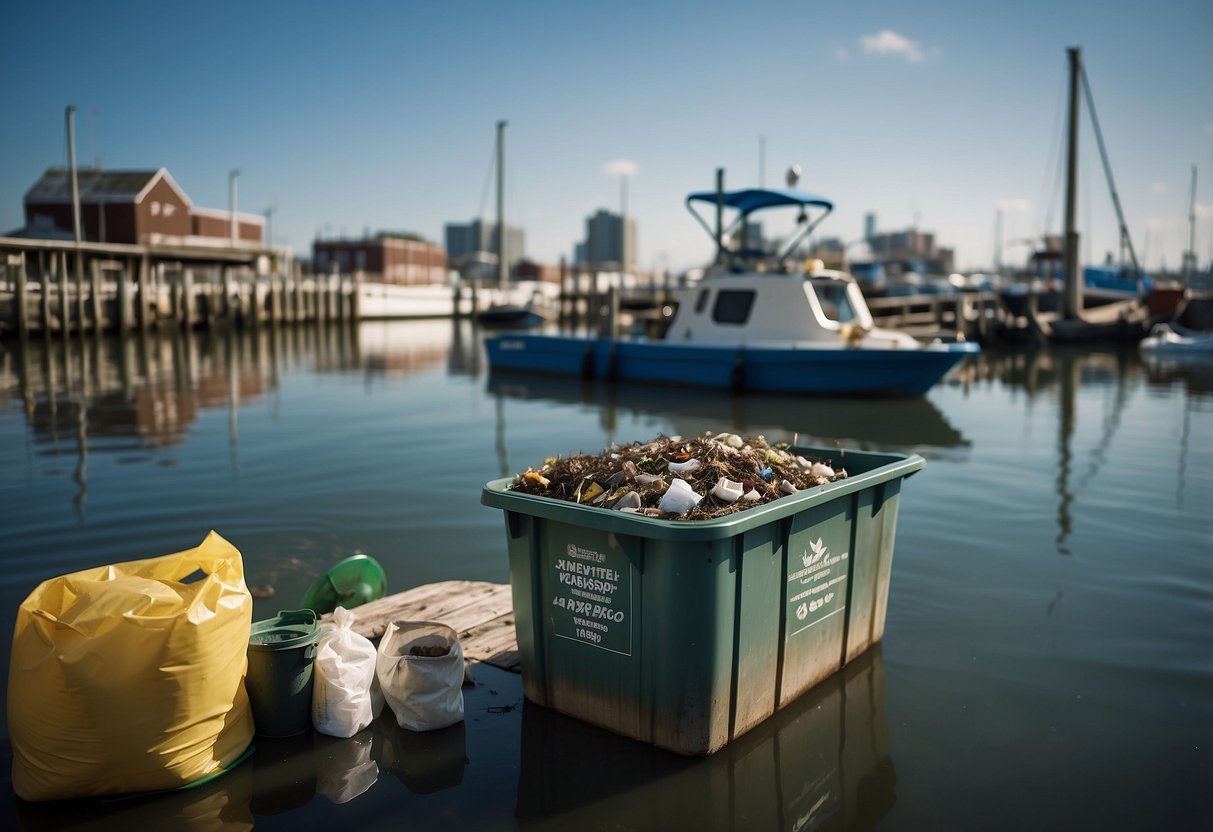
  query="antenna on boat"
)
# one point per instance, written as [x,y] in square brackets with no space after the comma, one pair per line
[719,215]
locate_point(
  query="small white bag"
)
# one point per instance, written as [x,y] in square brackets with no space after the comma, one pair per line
[345,690]
[425,692]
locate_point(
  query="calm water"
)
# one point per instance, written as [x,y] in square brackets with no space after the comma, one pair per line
[1048,658]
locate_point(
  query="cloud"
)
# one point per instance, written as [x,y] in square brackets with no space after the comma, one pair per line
[1204,210]
[1013,206]
[888,42]
[620,167]
[1158,189]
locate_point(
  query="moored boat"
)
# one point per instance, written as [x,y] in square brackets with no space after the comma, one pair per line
[753,322]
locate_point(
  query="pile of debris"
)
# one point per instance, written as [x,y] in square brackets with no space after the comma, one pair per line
[671,477]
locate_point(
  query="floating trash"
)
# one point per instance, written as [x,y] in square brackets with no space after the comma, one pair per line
[670,477]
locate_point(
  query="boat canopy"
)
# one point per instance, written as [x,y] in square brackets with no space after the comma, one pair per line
[756,199]
[749,200]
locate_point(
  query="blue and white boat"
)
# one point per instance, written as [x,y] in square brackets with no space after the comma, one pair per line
[753,322]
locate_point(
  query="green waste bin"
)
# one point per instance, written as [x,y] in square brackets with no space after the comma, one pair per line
[686,634]
[279,678]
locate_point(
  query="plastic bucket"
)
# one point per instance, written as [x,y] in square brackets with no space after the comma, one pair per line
[279,679]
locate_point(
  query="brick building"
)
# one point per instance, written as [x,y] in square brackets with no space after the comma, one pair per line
[386,258]
[130,206]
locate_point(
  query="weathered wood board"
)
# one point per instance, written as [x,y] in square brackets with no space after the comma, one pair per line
[482,613]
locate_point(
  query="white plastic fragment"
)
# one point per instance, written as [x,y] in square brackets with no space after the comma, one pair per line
[727,490]
[751,495]
[679,498]
[628,502]
[804,463]
[787,487]
[647,479]
[684,467]
[821,470]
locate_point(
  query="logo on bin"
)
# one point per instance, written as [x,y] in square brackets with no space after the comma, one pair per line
[802,611]
[820,550]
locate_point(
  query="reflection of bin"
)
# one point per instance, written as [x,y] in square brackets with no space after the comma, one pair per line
[686,634]
[821,763]
[279,679]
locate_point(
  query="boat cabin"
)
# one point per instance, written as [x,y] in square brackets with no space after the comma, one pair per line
[754,298]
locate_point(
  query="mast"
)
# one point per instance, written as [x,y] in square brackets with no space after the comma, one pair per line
[502,271]
[1072,301]
[1190,254]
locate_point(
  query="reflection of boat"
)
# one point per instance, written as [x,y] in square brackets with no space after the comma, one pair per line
[900,424]
[822,762]
[754,323]
[1173,340]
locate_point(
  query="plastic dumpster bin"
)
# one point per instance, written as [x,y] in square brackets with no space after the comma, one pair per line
[279,680]
[686,634]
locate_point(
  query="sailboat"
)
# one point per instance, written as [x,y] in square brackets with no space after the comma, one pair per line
[505,312]
[1120,320]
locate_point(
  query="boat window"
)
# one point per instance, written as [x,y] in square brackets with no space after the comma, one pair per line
[733,306]
[701,303]
[835,302]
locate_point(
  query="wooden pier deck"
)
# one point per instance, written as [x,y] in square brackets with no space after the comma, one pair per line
[482,613]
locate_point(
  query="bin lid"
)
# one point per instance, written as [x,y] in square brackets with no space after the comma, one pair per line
[351,583]
[285,631]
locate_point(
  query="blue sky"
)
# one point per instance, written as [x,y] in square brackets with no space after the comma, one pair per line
[358,116]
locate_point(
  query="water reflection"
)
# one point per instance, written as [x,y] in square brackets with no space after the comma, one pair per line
[821,762]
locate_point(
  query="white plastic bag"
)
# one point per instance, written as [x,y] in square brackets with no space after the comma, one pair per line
[345,695]
[425,692]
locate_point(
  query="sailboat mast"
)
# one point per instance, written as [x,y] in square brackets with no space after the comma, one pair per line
[1072,302]
[1190,254]
[502,270]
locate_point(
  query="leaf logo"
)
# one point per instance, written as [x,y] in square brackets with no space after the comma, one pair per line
[802,611]
[819,551]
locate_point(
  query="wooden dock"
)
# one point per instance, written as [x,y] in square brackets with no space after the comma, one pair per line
[482,613]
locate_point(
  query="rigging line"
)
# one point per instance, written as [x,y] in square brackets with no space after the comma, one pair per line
[1050,198]
[1107,167]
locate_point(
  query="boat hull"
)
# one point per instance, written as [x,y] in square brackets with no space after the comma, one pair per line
[805,370]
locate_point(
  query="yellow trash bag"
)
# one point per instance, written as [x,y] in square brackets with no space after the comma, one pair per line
[130,677]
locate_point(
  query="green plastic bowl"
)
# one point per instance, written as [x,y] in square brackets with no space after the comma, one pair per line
[351,583]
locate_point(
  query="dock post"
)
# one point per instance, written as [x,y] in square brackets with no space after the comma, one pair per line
[44,302]
[356,299]
[98,324]
[144,268]
[78,264]
[64,315]
[187,303]
[22,293]
[124,319]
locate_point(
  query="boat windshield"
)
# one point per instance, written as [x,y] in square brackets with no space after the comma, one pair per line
[832,295]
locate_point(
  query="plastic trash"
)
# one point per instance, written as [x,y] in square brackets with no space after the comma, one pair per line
[679,498]
[130,677]
[281,651]
[351,583]
[629,501]
[820,469]
[345,691]
[727,490]
[424,692]
[684,467]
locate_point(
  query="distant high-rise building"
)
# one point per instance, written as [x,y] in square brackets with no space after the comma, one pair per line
[869,225]
[607,245]
[465,240]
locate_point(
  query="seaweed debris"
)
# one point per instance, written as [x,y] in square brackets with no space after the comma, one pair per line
[726,473]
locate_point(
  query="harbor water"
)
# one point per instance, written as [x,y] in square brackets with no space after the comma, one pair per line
[1048,654]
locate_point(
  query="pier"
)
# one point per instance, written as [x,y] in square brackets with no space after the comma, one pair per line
[60,287]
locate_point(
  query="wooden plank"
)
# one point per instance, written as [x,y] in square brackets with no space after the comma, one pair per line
[480,612]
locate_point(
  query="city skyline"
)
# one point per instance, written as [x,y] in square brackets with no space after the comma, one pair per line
[939,117]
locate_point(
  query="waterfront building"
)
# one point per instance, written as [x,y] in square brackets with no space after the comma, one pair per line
[915,249]
[610,243]
[145,207]
[469,243]
[386,257]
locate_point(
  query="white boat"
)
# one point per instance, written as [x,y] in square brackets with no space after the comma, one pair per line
[1171,339]
[753,323]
